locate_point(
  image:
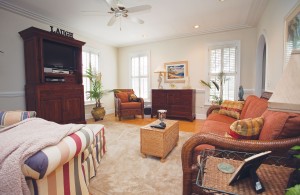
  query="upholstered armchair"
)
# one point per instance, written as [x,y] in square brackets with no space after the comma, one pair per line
[127,104]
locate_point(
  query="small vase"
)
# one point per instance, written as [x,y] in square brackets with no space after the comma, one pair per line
[98,113]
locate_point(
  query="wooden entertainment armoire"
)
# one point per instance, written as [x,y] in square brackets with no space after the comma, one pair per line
[56,96]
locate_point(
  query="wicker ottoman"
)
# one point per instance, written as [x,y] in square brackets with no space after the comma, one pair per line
[159,142]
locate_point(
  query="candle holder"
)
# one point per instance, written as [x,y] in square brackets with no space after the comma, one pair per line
[162,114]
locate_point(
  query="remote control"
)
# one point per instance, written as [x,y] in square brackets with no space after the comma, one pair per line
[157,126]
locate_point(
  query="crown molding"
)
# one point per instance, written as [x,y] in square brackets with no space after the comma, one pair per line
[26,13]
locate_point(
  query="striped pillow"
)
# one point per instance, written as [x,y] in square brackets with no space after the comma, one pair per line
[11,117]
[246,128]
[231,108]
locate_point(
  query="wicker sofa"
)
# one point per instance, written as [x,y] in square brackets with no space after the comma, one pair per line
[280,132]
[64,168]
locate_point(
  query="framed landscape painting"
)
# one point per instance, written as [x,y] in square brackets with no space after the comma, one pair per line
[176,71]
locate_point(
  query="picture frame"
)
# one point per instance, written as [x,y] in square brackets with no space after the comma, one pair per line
[291,33]
[176,72]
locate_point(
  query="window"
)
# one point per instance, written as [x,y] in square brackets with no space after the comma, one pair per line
[89,60]
[224,66]
[140,77]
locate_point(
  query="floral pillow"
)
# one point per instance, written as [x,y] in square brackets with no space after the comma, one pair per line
[133,98]
[231,108]
[246,129]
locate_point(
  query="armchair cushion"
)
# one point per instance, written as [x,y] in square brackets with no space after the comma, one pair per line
[232,108]
[131,105]
[11,117]
[246,128]
[123,96]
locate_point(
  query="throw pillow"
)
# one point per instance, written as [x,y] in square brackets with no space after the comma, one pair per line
[280,125]
[231,108]
[11,117]
[123,96]
[246,128]
[133,98]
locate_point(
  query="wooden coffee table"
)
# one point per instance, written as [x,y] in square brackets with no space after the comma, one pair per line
[159,142]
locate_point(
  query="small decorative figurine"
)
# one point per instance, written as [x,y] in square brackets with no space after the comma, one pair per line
[241,93]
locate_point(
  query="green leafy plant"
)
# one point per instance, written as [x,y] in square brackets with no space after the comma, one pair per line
[97,91]
[220,80]
[295,153]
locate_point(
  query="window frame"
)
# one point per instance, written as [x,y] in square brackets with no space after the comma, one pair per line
[140,54]
[226,44]
[90,51]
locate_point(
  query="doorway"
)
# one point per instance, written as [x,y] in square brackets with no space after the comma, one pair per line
[261,66]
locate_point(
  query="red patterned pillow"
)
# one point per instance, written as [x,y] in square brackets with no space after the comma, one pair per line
[231,108]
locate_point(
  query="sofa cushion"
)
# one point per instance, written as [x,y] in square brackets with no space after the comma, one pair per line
[215,127]
[254,107]
[231,108]
[279,125]
[11,117]
[123,96]
[246,128]
[221,118]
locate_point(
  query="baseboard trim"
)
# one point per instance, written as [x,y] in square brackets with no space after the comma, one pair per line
[200,116]
[6,94]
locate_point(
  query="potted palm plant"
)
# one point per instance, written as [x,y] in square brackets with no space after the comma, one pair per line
[96,93]
[221,79]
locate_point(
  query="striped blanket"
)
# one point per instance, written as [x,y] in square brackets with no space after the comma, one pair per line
[20,141]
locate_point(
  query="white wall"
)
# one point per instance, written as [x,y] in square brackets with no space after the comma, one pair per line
[195,51]
[272,25]
[12,66]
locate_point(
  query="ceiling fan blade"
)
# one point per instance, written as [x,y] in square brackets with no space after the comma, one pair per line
[136,20]
[112,21]
[138,8]
[112,4]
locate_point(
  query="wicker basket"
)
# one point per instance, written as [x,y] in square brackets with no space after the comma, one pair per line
[159,142]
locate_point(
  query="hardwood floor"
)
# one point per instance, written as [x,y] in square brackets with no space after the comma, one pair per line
[186,126]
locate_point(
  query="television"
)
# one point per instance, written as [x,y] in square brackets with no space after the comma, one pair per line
[59,56]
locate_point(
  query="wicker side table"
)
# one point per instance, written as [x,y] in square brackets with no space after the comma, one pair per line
[274,177]
[159,142]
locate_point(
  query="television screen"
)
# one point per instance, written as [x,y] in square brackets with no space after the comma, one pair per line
[58,55]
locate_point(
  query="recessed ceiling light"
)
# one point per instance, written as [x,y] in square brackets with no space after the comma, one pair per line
[221,0]
[196,26]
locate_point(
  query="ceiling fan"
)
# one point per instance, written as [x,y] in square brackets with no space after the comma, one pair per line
[119,11]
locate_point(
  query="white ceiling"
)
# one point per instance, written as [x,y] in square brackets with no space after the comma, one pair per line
[167,19]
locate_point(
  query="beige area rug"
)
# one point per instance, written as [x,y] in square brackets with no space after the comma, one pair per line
[123,170]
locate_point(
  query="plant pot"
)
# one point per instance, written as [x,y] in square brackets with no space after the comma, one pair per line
[98,113]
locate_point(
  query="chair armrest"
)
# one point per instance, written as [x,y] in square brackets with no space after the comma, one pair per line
[142,102]
[212,108]
[188,166]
